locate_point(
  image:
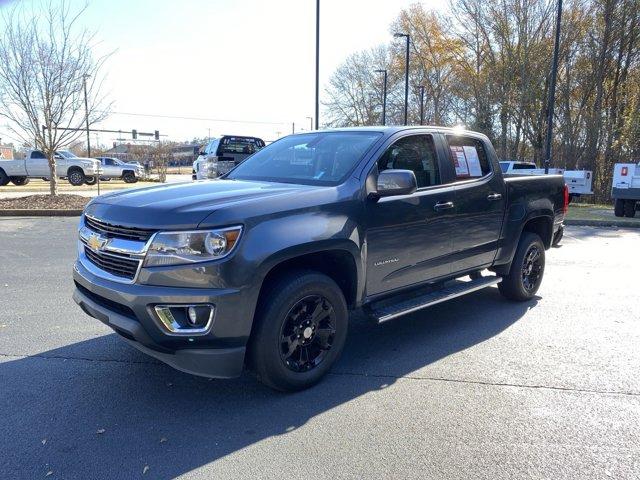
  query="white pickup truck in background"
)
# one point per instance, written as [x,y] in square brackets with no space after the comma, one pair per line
[76,169]
[625,190]
[579,181]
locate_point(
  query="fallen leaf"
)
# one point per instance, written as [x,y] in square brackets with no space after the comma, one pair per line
[101,431]
[145,469]
[44,440]
[50,472]
[162,440]
[169,384]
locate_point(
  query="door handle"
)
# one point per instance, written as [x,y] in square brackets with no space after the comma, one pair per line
[494,196]
[442,206]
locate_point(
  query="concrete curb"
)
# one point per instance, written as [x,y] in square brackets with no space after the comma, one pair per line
[40,213]
[602,223]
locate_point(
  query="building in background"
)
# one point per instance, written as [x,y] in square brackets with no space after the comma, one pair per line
[6,152]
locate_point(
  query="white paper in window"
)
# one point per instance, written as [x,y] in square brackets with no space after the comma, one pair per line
[473,161]
[460,162]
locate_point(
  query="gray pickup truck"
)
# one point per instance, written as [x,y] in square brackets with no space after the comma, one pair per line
[261,267]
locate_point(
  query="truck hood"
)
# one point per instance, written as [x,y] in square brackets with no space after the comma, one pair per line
[182,205]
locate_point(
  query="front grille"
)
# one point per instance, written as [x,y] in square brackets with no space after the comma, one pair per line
[117,231]
[119,264]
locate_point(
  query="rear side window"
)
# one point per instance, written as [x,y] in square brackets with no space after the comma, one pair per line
[469,157]
[524,166]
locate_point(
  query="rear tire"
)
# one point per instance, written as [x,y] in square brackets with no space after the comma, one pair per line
[630,208]
[4,178]
[527,269]
[76,177]
[618,208]
[300,330]
[19,181]
[557,237]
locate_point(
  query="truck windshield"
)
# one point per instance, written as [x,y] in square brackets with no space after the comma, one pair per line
[324,158]
[66,154]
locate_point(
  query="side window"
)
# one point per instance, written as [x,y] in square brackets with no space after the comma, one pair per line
[416,153]
[469,157]
[108,161]
[37,154]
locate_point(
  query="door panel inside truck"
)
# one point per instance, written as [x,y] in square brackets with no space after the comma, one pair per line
[480,202]
[408,237]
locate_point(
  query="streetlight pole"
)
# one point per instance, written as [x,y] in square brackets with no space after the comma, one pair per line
[421,87]
[384,95]
[406,75]
[552,91]
[317,63]
[86,121]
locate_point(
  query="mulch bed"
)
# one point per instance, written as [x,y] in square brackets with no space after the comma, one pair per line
[45,202]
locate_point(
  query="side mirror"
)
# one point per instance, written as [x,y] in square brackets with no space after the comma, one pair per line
[396,182]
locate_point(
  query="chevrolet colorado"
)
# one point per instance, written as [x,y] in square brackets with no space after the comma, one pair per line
[261,266]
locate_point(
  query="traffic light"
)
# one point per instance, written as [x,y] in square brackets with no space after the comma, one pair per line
[134,134]
[157,135]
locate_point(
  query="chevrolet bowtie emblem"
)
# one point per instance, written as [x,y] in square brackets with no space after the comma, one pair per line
[97,242]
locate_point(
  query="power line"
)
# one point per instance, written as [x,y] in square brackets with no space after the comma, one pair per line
[204,119]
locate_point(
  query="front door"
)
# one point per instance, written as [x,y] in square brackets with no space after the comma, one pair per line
[480,202]
[409,237]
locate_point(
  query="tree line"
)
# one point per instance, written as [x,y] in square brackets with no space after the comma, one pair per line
[486,65]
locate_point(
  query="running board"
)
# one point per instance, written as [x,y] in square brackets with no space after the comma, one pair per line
[453,289]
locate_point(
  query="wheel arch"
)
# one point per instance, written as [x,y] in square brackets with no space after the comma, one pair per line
[338,264]
[542,226]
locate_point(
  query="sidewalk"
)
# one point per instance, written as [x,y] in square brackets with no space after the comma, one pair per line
[39,186]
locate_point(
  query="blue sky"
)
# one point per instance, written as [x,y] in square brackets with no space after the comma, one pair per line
[226,59]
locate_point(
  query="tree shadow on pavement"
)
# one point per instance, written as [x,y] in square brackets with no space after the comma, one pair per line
[103,410]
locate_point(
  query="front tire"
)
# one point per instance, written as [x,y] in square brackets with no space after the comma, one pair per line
[76,177]
[300,331]
[91,180]
[129,177]
[630,208]
[527,269]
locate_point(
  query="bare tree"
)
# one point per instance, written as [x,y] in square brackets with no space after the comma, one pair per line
[46,57]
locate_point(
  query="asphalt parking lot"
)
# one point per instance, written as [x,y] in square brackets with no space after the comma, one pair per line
[476,388]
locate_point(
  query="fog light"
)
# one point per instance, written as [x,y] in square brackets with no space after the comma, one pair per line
[193,315]
[185,319]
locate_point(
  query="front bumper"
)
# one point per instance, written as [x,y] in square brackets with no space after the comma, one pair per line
[126,309]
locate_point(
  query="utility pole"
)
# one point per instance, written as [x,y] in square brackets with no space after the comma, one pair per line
[406,75]
[293,127]
[421,87]
[310,123]
[86,120]
[317,63]
[552,91]
[384,95]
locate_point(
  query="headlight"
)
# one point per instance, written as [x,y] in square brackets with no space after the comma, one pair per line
[176,248]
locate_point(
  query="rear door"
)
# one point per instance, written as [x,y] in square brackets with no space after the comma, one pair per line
[409,237]
[480,201]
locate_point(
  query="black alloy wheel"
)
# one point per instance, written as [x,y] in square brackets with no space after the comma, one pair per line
[531,268]
[307,334]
